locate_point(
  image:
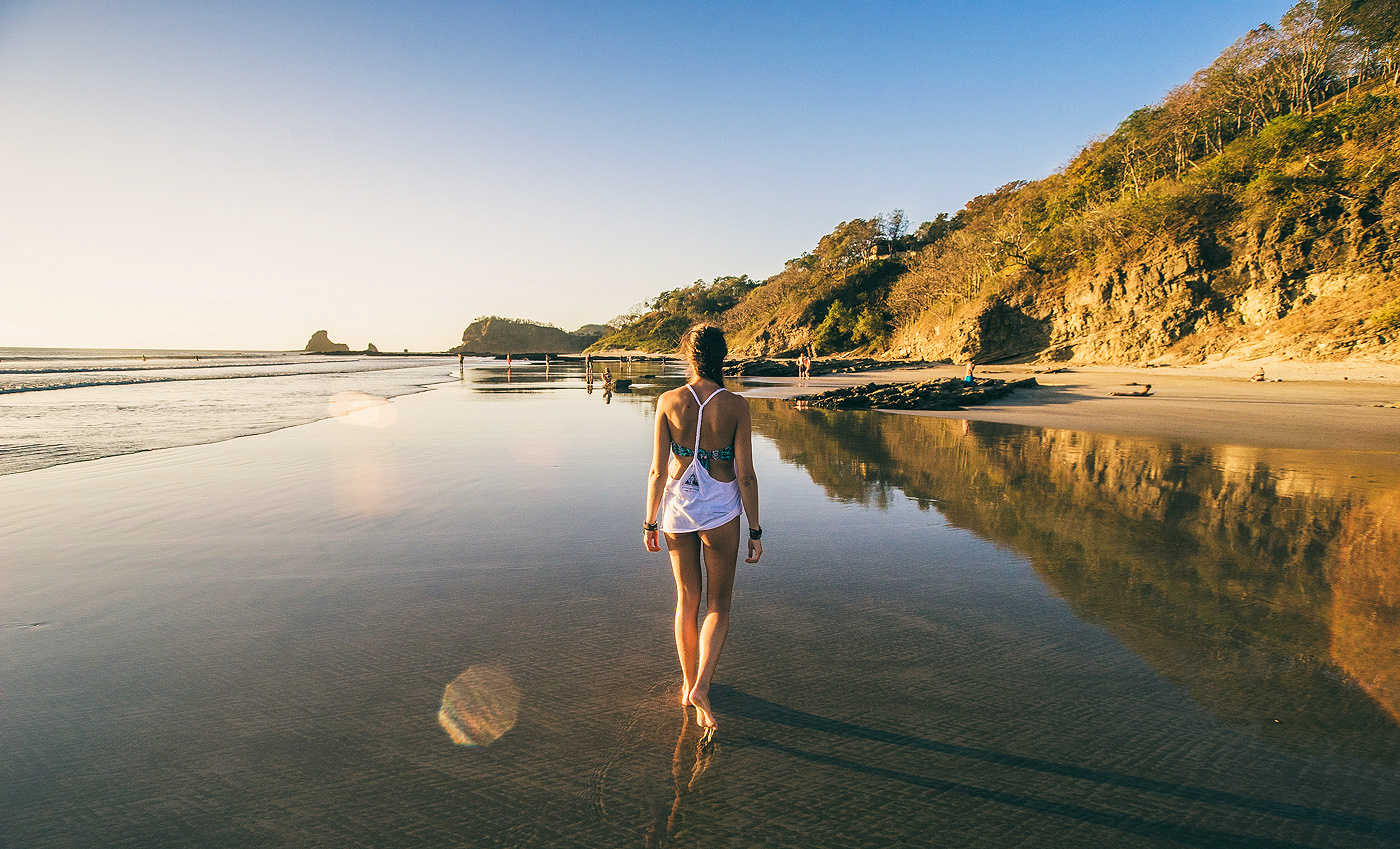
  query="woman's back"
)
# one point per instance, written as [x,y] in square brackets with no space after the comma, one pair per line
[718,412]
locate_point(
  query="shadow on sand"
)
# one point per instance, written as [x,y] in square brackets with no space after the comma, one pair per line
[737,703]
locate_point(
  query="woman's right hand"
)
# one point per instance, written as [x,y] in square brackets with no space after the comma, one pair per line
[755,551]
[651,538]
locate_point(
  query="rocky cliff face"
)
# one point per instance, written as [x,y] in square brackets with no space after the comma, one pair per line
[1306,288]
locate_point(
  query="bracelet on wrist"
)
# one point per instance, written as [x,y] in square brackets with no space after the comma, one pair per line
[755,533]
[648,526]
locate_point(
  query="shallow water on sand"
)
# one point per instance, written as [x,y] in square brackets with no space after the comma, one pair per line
[62,406]
[445,632]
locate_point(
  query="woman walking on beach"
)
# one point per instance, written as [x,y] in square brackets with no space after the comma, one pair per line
[701,479]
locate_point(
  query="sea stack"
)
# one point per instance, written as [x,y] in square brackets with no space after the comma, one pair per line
[320,343]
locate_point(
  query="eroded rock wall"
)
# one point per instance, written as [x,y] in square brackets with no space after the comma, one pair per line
[1302,288]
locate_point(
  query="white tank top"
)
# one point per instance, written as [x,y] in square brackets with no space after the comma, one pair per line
[695,501]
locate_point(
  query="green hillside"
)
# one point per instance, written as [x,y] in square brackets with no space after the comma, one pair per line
[496,335]
[1253,211]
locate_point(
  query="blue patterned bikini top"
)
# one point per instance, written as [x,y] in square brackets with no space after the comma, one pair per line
[704,456]
[700,453]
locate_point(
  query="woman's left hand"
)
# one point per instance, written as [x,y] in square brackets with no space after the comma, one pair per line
[755,551]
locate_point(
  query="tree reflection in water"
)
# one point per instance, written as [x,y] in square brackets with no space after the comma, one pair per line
[1266,583]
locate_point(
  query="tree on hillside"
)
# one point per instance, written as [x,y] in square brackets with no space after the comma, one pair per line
[1374,26]
[848,245]
[893,226]
[1312,51]
[702,300]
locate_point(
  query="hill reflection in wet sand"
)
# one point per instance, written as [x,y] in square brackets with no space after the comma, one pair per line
[1266,583]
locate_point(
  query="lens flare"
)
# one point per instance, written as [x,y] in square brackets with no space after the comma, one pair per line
[479,706]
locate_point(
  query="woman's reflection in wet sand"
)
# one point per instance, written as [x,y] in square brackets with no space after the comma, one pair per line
[695,752]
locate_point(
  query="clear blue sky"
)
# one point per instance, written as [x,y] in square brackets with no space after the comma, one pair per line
[240,174]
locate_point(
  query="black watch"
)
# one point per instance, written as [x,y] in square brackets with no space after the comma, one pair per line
[755,533]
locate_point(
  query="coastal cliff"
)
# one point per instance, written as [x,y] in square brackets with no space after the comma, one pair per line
[1304,290]
[1253,212]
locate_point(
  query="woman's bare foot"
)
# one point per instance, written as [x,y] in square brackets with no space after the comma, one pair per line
[703,717]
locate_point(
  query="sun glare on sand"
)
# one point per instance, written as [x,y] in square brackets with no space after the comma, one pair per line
[363,409]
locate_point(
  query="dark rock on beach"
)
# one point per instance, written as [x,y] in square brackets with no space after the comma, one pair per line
[946,394]
[764,367]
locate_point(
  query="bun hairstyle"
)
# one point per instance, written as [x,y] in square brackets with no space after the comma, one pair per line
[703,348]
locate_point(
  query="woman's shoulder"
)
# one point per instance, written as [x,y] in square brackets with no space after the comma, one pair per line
[672,398]
[733,400]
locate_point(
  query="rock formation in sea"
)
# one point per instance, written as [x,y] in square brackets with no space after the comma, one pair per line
[320,343]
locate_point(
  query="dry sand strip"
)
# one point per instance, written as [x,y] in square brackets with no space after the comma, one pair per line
[1308,406]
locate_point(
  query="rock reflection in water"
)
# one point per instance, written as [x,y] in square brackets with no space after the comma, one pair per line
[1366,600]
[479,706]
[1268,586]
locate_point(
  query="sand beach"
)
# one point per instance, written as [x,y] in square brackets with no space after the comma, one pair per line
[430,621]
[1311,406]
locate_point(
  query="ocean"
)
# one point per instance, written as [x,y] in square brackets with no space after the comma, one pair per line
[62,405]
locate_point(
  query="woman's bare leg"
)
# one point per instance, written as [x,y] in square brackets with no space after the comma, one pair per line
[721,552]
[685,566]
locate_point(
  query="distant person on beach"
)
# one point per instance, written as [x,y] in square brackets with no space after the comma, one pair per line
[1258,375]
[967,377]
[701,479]
[804,366]
[1146,390]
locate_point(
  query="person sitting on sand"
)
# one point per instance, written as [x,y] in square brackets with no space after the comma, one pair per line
[1146,390]
[968,378]
[1258,376]
[701,479]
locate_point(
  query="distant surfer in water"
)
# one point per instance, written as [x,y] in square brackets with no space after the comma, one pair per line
[701,479]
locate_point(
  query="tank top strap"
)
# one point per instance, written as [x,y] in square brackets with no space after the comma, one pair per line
[707,400]
[700,413]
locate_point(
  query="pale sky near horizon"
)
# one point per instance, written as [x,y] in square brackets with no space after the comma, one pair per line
[229,175]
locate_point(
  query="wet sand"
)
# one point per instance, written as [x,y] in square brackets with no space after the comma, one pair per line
[277,640]
[1310,406]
